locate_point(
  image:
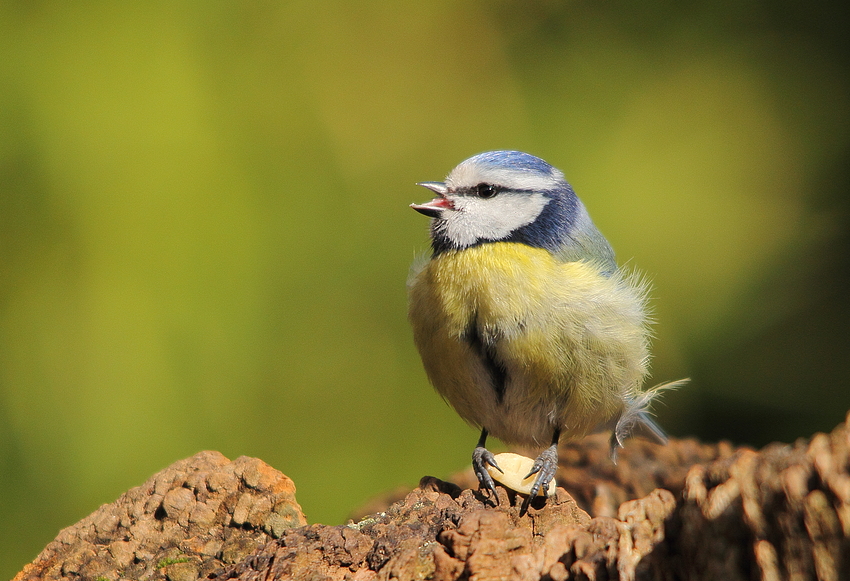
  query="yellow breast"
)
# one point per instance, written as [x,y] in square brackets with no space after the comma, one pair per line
[499,282]
[571,340]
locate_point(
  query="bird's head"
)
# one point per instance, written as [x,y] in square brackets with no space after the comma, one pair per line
[502,196]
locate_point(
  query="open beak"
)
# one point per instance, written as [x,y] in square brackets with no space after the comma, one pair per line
[435,207]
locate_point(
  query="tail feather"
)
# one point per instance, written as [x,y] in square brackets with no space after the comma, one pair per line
[636,418]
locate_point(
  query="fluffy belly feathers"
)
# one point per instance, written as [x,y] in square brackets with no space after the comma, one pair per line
[520,343]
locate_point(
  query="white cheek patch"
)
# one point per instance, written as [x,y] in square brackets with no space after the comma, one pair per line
[475,219]
[471,174]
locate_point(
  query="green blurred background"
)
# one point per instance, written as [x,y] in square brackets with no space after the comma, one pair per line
[204,231]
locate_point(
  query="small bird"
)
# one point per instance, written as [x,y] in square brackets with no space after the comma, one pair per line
[524,322]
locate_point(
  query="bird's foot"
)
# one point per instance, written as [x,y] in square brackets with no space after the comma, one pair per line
[544,466]
[481,458]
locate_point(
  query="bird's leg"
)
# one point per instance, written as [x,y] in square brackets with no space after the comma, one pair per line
[481,458]
[544,466]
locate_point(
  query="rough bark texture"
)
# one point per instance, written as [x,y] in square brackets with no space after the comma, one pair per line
[684,511]
[440,532]
[193,518]
[598,485]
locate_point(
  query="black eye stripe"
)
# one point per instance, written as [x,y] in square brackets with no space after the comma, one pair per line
[485,190]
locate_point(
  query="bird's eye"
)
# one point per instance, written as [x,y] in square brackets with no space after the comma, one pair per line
[485,191]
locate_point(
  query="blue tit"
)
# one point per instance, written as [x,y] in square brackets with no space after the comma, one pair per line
[524,322]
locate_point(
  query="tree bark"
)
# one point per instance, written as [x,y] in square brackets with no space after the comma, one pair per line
[686,511]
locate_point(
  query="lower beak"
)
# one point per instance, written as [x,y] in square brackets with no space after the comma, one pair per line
[435,207]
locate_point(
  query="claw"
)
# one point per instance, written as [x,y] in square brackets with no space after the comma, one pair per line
[481,458]
[544,466]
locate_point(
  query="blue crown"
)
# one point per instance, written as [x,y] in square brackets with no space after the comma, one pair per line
[513,159]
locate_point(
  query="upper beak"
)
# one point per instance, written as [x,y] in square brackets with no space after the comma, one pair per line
[435,207]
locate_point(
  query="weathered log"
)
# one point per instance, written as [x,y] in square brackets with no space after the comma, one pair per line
[193,518]
[682,511]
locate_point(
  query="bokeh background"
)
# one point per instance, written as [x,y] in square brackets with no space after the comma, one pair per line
[204,231]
